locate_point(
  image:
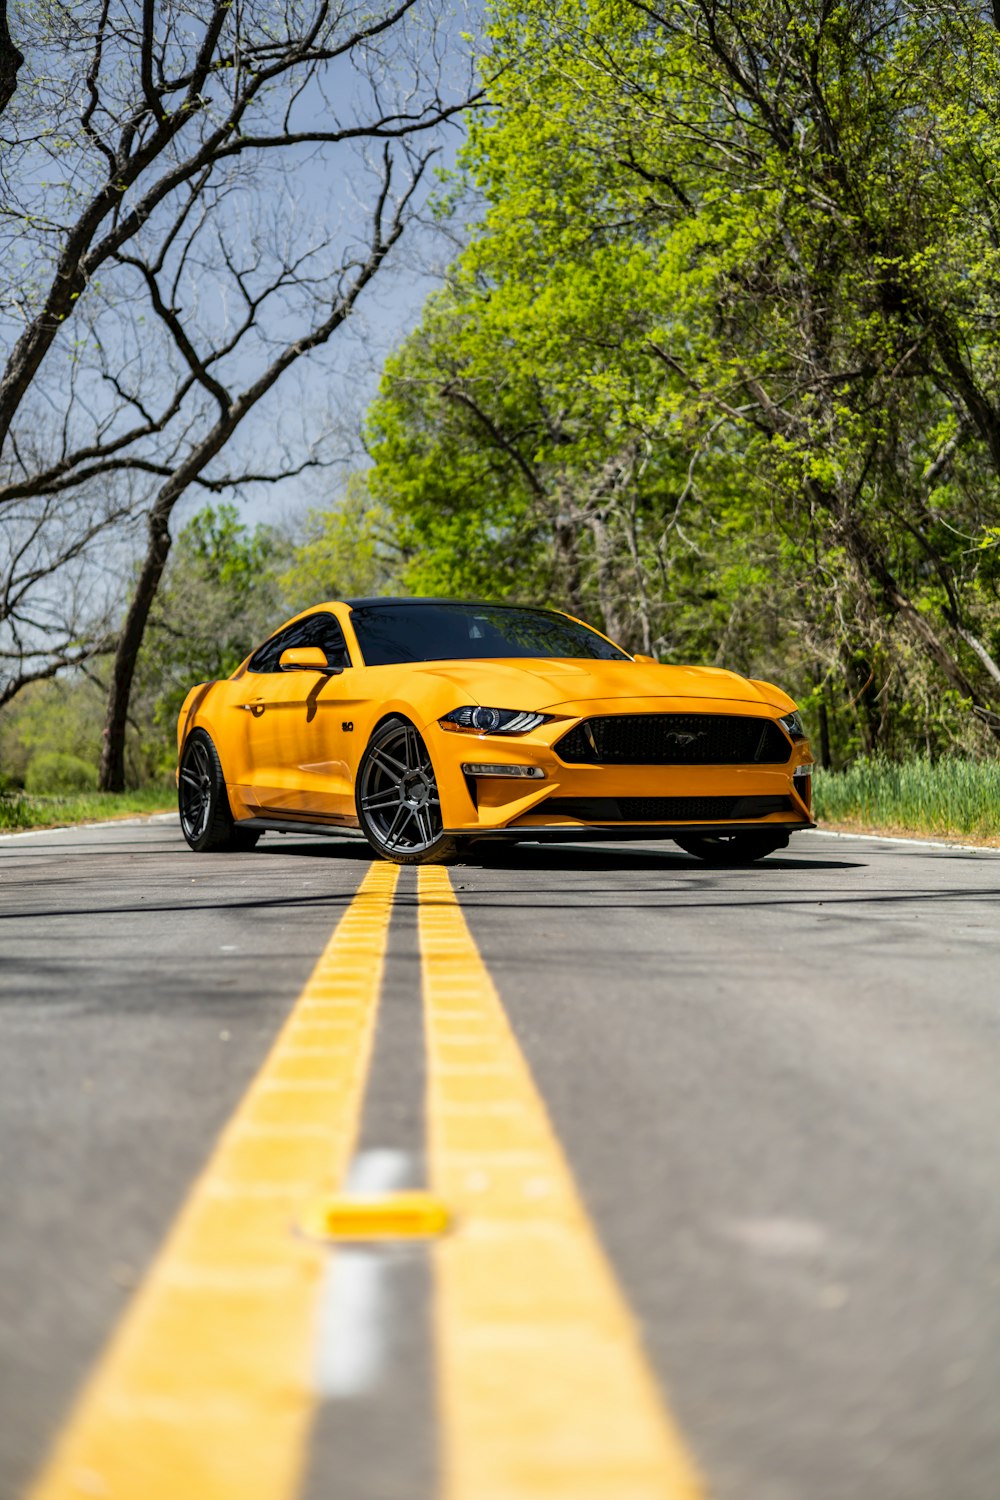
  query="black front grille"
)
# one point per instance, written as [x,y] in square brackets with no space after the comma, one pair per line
[665,809]
[675,740]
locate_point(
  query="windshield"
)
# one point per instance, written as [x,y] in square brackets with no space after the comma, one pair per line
[389,634]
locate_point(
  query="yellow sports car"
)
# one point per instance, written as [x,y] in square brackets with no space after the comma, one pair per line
[429,724]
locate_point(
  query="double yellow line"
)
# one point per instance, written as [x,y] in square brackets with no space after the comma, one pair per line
[205,1390]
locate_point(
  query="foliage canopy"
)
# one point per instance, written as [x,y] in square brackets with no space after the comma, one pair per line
[719,363]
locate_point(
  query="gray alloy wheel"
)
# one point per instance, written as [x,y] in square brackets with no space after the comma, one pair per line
[203,802]
[397,797]
[731,848]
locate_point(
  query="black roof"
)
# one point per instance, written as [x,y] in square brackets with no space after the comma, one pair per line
[377,599]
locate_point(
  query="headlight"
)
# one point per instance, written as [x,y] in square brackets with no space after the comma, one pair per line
[475,720]
[792,725]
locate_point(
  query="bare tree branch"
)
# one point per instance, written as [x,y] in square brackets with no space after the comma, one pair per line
[164,273]
[57,660]
[84,253]
[386,227]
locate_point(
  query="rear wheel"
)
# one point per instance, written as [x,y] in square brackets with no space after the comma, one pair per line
[732,848]
[397,797]
[206,818]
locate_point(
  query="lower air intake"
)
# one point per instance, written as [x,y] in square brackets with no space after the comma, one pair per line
[665,809]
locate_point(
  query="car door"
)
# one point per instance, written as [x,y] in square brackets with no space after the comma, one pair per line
[296,724]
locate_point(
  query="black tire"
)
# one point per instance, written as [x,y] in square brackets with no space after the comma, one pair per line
[732,848]
[397,800]
[206,818]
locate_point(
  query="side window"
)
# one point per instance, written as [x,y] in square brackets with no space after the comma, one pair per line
[330,638]
[315,630]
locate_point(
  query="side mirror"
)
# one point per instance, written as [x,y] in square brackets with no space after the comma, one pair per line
[650,661]
[306,659]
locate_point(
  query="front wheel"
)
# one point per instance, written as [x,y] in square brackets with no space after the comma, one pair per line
[207,821]
[731,848]
[397,797]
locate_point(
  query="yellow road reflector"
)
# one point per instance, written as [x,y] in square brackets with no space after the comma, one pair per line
[546,1391]
[396,1216]
[205,1391]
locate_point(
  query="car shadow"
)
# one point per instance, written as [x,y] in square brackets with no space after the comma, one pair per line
[584,860]
[560,857]
[316,847]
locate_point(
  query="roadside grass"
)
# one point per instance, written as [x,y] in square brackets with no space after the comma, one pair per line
[950,798]
[947,798]
[18,810]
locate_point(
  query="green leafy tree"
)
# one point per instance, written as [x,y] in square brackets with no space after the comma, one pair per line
[60,717]
[726,321]
[221,595]
[347,552]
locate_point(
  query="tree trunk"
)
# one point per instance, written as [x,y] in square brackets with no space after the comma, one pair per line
[859,678]
[876,577]
[566,547]
[823,717]
[981,410]
[825,759]
[606,575]
[10,60]
[641,592]
[112,773]
[872,565]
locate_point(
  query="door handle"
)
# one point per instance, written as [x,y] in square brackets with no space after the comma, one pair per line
[256,708]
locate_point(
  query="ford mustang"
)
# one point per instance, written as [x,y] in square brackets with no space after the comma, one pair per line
[431,725]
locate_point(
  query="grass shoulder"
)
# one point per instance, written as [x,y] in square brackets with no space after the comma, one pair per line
[956,800]
[907,831]
[21,810]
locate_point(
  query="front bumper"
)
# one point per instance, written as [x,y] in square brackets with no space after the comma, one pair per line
[570,799]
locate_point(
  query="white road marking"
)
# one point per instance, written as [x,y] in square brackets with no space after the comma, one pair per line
[37,833]
[354,1311]
[782,1238]
[379,1171]
[896,838]
[351,1342]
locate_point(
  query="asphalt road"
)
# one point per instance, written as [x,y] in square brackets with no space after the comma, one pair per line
[778,1090]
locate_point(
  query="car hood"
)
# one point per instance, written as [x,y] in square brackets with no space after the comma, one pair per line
[543,683]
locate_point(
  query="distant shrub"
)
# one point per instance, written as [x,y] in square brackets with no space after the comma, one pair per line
[53,772]
[14,811]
